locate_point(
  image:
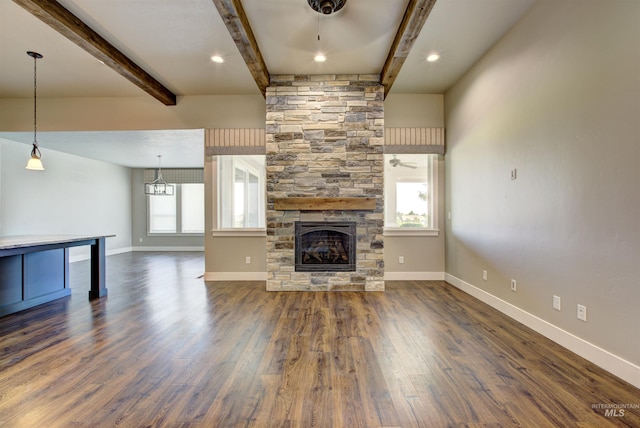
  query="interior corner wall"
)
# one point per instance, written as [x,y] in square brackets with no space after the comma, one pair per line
[73,196]
[557,100]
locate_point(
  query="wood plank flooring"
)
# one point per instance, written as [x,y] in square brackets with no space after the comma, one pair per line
[166,349]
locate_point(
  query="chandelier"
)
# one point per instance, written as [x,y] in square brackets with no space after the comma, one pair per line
[159,187]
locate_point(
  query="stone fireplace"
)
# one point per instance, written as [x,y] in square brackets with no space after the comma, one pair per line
[324,145]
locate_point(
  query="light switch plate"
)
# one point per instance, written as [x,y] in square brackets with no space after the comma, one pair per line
[582,313]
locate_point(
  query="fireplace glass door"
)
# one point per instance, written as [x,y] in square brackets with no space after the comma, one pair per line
[325,246]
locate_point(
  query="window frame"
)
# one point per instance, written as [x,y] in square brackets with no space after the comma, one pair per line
[216,173]
[178,203]
[432,183]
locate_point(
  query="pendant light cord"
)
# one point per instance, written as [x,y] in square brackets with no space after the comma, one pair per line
[35,100]
[35,152]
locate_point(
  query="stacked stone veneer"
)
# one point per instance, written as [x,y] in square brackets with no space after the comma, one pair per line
[325,138]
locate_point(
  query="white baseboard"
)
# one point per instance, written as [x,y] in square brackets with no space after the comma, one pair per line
[235,276]
[167,248]
[600,357]
[262,276]
[413,276]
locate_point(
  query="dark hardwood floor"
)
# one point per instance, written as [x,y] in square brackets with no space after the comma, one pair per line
[166,349]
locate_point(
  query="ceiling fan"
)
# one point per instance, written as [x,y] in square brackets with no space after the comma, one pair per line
[326,7]
[397,162]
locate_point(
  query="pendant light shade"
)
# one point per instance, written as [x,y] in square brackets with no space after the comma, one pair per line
[34,163]
[159,187]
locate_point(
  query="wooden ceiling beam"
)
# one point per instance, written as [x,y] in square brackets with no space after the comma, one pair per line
[64,22]
[412,22]
[235,19]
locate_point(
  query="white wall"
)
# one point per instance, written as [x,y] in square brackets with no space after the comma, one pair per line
[72,196]
[559,100]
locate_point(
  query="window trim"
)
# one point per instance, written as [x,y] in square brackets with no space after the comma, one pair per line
[217,229]
[254,232]
[178,201]
[433,230]
[410,231]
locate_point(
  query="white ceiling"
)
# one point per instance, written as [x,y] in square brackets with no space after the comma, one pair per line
[173,41]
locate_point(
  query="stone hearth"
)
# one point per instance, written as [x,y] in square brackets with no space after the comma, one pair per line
[325,138]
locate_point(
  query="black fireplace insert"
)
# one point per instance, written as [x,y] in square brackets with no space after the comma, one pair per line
[325,246]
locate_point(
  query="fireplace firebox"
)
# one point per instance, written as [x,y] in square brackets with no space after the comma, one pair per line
[325,246]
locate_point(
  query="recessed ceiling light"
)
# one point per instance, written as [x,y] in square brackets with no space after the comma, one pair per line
[217,59]
[320,58]
[433,57]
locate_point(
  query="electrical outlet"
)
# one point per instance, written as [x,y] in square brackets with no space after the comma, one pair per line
[556,303]
[401,259]
[484,275]
[582,313]
[139,239]
[514,285]
[247,260]
[514,174]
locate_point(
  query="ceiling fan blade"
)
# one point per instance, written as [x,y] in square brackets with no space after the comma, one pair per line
[407,165]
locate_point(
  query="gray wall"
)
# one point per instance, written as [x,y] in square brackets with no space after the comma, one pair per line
[423,256]
[73,195]
[557,99]
[225,256]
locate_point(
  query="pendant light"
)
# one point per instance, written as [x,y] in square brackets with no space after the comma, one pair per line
[158,187]
[34,162]
[319,57]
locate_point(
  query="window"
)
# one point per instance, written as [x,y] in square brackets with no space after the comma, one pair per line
[192,207]
[241,192]
[162,214]
[410,192]
[180,213]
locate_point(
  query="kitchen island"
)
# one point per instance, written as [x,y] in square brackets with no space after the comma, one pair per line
[34,269]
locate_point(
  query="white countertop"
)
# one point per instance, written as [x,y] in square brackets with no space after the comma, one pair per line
[21,241]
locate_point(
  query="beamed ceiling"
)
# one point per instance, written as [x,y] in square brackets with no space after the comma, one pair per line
[162,48]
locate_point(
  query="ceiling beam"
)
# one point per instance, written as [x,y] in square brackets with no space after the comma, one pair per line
[235,19]
[412,22]
[70,26]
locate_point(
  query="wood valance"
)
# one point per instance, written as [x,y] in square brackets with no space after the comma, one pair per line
[322,204]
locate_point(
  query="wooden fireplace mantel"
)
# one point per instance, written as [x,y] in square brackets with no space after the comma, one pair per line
[322,204]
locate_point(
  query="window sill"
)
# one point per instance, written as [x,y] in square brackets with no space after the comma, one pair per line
[258,232]
[173,235]
[402,231]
